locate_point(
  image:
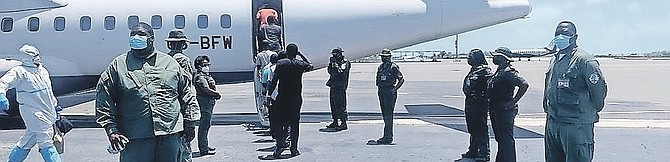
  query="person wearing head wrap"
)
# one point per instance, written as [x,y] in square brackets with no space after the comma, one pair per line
[476,106]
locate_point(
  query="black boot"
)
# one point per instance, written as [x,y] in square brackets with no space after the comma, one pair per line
[333,124]
[342,126]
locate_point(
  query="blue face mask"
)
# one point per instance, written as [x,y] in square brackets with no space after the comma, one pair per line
[138,42]
[561,42]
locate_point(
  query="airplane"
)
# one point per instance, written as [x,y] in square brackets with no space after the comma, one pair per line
[78,38]
[529,53]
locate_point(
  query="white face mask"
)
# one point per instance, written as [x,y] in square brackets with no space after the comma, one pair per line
[205,69]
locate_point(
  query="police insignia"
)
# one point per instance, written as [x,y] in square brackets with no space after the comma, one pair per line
[594,78]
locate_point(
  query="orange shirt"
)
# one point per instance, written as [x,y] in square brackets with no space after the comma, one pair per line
[263,14]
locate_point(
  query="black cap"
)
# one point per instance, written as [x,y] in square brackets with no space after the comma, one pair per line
[337,50]
[176,35]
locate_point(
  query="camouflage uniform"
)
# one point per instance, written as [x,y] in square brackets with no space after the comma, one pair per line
[476,110]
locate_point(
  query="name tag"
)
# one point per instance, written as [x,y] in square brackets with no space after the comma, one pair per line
[563,83]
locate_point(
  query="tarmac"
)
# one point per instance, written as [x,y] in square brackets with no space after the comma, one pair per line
[429,123]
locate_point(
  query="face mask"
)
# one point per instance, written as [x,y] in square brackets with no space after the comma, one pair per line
[498,60]
[205,69]
[386,59]
[560,42]
[138,42]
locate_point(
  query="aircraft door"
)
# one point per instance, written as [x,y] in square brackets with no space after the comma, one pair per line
[265,36]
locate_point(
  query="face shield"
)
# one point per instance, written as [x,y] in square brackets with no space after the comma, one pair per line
[29,56]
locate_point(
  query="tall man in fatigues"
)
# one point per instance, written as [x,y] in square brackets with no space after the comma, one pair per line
[388,74]
[503,103]
[139,98]
[574,93]
[476,106]
[339,81]
[177,43]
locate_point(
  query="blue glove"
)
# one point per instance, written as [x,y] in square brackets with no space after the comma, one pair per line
[4,103]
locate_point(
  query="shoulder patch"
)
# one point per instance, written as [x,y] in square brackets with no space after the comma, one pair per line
[594,78]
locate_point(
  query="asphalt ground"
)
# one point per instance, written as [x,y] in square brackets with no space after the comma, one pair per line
[634,125]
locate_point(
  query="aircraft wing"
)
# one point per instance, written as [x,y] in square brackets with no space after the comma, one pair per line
[12,6]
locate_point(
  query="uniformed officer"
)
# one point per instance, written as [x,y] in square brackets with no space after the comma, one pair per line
[207,95]
[388,80]
[476,106]
[138,101]
[177,43]
[503,103]
[286,111]
[574,93]
[338,69]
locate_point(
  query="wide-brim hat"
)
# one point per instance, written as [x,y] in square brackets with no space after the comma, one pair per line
[503,52]
[385,52]
[176,35]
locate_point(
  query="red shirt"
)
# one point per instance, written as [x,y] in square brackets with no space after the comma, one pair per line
[263,14]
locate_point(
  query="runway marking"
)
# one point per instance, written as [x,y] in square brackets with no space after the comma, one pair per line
[603,123]
[395,122]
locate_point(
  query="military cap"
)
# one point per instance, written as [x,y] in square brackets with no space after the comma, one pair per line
[504,52]
[337,50]
[176,35]
[385,53]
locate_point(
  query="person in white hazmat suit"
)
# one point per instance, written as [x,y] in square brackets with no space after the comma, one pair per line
[36,103]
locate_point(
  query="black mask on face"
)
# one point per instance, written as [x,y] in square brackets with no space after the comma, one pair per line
[386,59]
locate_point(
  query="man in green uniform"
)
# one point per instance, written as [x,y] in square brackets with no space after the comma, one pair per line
[389,79]
[339,81]
[177,43]
[477,106]
[139,98]
[574,93]
[503,103]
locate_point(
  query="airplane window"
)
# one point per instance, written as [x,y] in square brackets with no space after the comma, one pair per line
[203,22]
[85,23]
[110,22]
[59,23]
[33,24]
[157,21]
[179,21]
[225,21]
[7,24]
[132,21]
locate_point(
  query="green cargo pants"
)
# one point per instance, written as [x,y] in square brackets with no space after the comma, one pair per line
[568,142]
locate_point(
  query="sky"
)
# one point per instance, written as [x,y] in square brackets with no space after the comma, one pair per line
[603,26]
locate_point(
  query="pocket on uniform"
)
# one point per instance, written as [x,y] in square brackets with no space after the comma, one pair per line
[569,103]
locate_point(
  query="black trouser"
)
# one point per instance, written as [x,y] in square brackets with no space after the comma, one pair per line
[338,103]
[286,113]
[476,113]
[387,98]
[502,122]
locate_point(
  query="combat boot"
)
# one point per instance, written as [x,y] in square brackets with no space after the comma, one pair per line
[342,126]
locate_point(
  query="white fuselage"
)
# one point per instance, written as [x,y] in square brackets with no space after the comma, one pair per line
[360,27]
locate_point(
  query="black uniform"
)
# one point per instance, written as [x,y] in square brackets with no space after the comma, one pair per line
[286,110]
[338,83]
[388,73]
[500,91]
[476,110]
